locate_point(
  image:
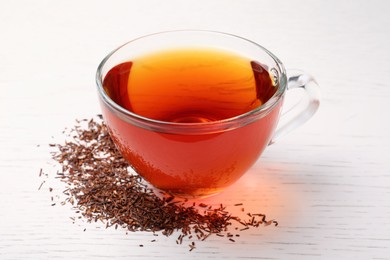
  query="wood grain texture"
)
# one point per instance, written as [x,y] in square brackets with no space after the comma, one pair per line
[327,183]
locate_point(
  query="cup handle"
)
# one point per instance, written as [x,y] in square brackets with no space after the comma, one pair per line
[303,110]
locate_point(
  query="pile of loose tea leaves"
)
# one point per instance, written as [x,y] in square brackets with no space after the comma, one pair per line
[101,186]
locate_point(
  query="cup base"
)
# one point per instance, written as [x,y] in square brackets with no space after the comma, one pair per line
[200,193]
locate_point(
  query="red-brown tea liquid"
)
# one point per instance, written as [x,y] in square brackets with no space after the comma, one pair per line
[190,86]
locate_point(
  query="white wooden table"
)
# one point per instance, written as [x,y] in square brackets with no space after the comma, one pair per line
[327,183]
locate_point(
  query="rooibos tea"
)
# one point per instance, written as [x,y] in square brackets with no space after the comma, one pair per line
[191,86]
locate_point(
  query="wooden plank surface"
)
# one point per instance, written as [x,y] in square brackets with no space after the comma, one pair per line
[326,183]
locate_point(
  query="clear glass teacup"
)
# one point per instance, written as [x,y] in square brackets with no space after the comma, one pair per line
[192,111]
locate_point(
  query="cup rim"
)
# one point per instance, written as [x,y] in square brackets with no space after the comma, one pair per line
[193,127]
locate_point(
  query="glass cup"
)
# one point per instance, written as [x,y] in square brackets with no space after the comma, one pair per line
[196,157]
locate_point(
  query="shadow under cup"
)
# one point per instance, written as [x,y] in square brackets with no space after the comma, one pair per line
[194,158]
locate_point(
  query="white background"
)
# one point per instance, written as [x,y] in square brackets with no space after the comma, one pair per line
[327,183]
